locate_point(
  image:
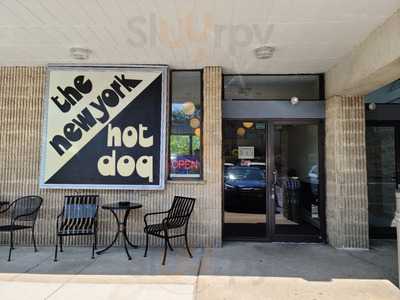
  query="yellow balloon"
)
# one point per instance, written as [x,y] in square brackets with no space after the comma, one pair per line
[194,123]
[189,108]
[241,131]
[197,132]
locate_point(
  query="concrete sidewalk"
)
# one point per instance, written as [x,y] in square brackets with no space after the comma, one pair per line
[236,271]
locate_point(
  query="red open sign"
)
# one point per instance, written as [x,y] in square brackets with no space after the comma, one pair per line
[185,164]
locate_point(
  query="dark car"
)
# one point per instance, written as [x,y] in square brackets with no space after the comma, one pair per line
[244,189]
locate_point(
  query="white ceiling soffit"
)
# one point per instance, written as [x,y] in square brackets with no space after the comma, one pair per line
[309,35]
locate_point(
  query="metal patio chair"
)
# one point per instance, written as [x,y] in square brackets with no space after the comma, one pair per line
[177,219]
[77,218]
[23,214]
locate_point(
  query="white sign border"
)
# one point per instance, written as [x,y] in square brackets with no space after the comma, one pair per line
[164,118]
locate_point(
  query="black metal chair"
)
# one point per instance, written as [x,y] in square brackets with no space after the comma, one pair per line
[177,218]
[78,218]
[23,214]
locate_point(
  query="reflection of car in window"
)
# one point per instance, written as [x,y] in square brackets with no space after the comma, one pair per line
[260,165]
[244,189]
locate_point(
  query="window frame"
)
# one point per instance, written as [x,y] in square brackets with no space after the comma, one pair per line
[321,80]
[170,102]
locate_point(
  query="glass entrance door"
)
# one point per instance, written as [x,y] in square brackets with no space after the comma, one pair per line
[245,179]
[271,180]
[382,168]
[296,181]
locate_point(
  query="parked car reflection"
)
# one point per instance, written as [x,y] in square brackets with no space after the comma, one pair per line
[244,189]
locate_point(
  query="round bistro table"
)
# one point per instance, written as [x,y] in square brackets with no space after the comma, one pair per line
[126,207]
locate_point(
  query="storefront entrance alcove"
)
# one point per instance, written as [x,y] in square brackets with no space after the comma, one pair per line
[273,162]
[272,187]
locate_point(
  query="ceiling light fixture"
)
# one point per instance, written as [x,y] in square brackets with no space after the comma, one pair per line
[80,53]
[247,125]
[264,52]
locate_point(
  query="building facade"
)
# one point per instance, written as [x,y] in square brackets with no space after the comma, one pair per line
[22,107]
[238,136]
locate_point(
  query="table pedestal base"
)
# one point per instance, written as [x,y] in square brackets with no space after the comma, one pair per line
[121,229]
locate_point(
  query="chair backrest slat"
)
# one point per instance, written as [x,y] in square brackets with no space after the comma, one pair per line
[181,210]
[80,207]
[79,212]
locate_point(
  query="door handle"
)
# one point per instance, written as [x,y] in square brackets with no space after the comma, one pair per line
[274,183]
[275,177]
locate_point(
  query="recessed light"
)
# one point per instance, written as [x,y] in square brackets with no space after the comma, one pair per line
[264,52]
[80,53]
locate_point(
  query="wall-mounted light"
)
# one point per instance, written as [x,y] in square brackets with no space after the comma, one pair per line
[372,106]
[294,100]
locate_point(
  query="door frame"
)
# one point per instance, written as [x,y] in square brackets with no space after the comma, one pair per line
[271,236]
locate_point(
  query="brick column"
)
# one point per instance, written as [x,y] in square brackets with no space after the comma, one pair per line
[212,147]
[212,137]
[346,173]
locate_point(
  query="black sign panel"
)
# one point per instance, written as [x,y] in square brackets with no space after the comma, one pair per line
[104,127]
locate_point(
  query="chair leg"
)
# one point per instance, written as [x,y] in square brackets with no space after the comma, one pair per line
[11,244]
[187,246]
[61,244]
[12,240]
[165,250]
[169,246]
[55,252]
[147,245]
[95,241]
[33,239]
[94,246]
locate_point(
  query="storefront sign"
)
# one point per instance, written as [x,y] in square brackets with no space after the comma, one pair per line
[104,127]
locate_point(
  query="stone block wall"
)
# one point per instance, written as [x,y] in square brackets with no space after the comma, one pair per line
[346,173]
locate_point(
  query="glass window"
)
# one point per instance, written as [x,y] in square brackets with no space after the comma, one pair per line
[272,87]
[381,167]
[186,125]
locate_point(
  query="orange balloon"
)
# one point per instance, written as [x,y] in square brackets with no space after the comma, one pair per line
[197,132]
